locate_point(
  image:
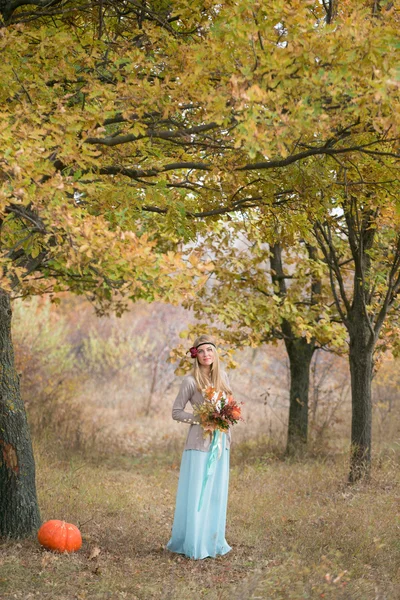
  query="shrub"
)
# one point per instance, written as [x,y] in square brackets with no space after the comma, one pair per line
[49,377]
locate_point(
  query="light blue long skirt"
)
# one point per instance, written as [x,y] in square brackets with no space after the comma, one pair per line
[201,533]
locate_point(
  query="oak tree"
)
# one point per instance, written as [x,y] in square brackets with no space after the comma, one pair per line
[63,227]
[116,113]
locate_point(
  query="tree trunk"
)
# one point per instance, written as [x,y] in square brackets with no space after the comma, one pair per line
[300,353]
[19,512]
[361,366]
[331,10]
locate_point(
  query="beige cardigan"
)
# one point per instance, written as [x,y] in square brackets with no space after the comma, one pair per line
[189,393]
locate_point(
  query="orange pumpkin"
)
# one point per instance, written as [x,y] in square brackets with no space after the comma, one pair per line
[60,536]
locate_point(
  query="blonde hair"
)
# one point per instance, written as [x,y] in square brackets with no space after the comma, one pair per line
[217,379]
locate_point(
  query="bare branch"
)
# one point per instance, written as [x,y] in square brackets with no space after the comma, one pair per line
[391,291]
[316,283]
[333,267]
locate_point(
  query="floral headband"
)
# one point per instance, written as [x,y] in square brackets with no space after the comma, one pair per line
[193,350]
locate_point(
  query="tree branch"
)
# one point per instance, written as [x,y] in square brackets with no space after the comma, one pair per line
[332,262]
[11,7]
[320,150]
[150,133]
[392,289]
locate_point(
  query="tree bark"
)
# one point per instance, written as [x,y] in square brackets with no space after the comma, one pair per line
[19,512]
[362,338]
[331,7]
[300,353]
[361,370]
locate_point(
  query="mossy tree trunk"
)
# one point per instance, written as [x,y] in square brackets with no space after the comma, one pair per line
[19,512]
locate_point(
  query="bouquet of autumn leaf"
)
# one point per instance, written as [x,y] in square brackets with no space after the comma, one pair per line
[216,414]
[218,411]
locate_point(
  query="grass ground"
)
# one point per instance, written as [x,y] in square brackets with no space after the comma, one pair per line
[297,532]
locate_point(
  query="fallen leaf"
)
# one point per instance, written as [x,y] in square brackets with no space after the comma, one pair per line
[95,551]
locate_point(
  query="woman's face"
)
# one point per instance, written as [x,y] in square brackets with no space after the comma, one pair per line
[205,355]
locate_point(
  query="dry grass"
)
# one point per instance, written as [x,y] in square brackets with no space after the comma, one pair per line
[297,531]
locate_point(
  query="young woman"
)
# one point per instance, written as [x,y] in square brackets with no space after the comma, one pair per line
[199,526]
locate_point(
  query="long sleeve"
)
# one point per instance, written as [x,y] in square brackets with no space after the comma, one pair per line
[225,376]
[186,392]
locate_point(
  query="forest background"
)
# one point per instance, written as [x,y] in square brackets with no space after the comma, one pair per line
[241,163]
[108,383]
[99,391]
